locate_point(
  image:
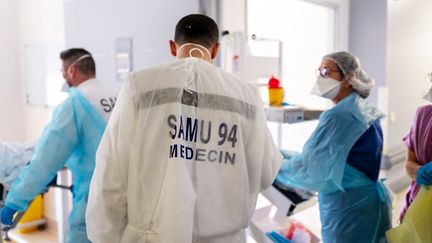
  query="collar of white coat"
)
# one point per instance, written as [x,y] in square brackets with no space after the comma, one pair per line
[86,83]
[187,62]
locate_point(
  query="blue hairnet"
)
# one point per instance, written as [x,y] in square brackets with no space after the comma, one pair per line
[351,69]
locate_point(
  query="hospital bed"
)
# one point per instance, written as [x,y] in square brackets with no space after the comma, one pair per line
[13,157]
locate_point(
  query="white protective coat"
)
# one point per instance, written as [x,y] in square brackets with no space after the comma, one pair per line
[183,158]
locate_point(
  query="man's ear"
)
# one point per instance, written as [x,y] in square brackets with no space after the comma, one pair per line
[173,48]
[71,71]
[214,50]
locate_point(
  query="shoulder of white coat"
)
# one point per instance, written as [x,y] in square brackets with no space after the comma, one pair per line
[147,72]
[250,87]
[145,77]
[108,88]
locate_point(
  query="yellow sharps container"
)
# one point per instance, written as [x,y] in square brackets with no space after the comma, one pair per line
[276,92]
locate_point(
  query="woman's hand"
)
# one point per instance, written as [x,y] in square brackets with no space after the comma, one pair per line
[411,165]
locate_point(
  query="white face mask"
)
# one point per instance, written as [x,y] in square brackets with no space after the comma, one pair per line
[198,48]
[65,87]
[326,87]
[428,94]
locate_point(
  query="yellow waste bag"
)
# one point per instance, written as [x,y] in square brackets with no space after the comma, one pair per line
[33,212]
[416,226]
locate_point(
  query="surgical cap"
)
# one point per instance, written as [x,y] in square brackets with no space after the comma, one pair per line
[352,70]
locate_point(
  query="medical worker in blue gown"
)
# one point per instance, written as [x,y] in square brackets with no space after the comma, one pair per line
[341,159]
[70,139]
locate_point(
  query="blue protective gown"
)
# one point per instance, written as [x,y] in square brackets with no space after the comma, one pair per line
[353,208]
[70,139]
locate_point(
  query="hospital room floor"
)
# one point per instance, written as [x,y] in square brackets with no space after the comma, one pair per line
[397,205]
[45,236]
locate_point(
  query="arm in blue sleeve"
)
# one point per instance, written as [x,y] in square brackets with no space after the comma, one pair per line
[52,151]
[320,167]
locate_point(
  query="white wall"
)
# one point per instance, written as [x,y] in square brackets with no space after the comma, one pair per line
[94,25]
[11,127]
[40,23]
[367,38]
[233,15]
[409,58]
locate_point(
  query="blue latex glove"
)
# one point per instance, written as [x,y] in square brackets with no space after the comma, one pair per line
[6,215]
[424,174]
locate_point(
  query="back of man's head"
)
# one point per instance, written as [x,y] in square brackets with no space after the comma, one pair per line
[198,29]
[85,65]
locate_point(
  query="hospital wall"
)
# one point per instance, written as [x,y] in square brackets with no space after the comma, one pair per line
[409,58]
[40,24]
[393,40]
[367,39]
[23,23]
[10,86]
[150,24]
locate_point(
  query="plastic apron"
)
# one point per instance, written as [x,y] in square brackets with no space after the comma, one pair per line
[417,224]
[345,194]
[361,213]
[71,138]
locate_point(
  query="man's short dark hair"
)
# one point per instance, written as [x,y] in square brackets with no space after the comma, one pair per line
[86,65]
[197,28]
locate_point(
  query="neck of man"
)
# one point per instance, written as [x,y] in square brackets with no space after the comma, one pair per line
[186,52]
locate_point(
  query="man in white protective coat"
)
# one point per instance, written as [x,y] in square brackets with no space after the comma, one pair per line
[185,153]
